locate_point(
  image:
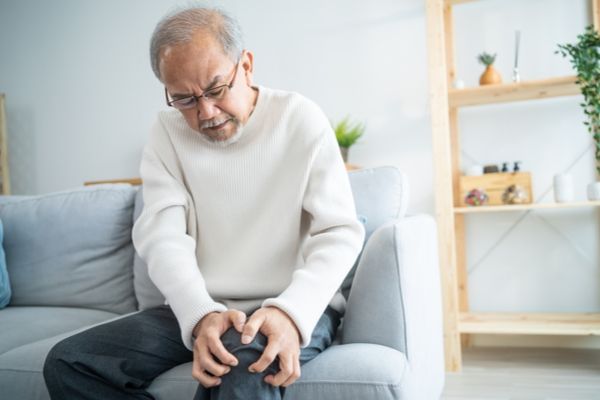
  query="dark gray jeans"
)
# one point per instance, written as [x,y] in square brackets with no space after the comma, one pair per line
[119,359]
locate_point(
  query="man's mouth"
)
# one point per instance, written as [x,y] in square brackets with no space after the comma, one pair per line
[215,126]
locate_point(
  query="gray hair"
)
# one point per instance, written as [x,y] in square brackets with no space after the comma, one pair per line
[179,27]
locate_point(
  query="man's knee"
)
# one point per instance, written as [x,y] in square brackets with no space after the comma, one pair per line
[245,353]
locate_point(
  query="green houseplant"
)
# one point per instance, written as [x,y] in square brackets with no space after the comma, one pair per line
[585,58]
[347,133]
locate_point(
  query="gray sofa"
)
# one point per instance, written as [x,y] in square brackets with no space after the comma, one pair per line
[72,265]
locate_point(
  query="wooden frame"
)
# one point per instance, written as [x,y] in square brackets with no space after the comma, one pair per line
[444,104]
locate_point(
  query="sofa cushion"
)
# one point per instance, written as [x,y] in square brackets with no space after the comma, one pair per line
[4,280]
[376,372]
[380,195]
[23,325]
[71,248]
[21,369]
[146,292]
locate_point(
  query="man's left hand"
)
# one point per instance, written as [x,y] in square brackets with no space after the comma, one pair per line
[283,341]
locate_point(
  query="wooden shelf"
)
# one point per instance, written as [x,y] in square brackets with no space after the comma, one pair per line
[508,92]
[454,2]
[530,324]
[524,207]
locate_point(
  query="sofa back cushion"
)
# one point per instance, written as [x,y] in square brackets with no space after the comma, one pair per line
[147,293]
[71,248]
[380,195]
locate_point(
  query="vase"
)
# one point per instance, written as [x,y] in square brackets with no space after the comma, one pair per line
[344,151]
[563,188]
[490,76]
[593,191]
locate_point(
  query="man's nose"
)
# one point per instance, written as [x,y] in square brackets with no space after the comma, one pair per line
[207,109]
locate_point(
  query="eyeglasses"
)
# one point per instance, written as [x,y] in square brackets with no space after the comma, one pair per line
[212,95]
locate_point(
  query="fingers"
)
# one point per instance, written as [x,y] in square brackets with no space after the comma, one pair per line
[266,359]
[201,375]
[237,318]
[289,371]
[252,326]
[216,347]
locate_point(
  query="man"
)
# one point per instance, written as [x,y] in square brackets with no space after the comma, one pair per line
[248,230]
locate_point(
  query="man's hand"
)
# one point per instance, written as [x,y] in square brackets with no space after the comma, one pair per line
[283,341]
[209,350]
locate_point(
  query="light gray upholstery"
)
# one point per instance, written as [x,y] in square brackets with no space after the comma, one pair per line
[22,325]
[71,248]
[147,293]
[391,344]
[21,369]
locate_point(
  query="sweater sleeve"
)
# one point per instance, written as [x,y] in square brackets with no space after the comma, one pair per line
[161,238]
[334,242]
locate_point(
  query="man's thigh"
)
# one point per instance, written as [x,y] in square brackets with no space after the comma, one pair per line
[142,345]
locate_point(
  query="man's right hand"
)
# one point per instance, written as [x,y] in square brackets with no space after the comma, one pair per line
[211,358]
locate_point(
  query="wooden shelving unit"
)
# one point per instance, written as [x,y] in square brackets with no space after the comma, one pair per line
[525,207]
[509,92]
[459,322]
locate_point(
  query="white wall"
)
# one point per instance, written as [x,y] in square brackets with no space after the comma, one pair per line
[81,98]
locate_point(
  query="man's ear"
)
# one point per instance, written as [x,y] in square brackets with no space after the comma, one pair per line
[248,66]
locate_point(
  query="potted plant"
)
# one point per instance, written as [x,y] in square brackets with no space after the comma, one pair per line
[585,58]
[490,76]
[347,133]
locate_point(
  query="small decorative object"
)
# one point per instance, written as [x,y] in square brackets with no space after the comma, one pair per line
[476,197]
[474,170]
[563,188]
[490,169]
[516,77]
[459,84]
[593,191]
[504,167]
[490,76]
[515,194]
[495,185]
[517,166]
[585,59]
[347,133]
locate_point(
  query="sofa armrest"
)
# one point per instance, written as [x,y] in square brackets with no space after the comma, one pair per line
[395,298]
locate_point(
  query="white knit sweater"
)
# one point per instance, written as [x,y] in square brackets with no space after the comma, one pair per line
[266,221]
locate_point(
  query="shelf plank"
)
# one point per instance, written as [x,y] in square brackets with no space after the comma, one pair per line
[455,2]
[508,92]
[530,324]
[524,207]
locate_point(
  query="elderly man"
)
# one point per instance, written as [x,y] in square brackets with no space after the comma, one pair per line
[248,230]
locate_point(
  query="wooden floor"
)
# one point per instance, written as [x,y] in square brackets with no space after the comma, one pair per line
[526,374]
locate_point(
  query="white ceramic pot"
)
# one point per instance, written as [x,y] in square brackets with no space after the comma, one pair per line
[563,188]
[593,191]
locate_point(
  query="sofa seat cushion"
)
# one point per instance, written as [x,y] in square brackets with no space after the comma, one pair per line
[21,369]
[345,372]
[23,325]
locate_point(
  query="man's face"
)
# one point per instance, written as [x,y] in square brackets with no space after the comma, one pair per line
[195,67]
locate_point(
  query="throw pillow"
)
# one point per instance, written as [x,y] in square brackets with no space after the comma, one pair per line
[4,281]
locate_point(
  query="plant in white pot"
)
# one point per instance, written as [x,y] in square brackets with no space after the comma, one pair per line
[585,58]
[347,133]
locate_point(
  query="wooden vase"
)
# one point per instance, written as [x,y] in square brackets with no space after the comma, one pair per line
[490,76]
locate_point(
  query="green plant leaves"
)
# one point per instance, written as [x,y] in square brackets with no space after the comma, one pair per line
[585,59]
[347,133]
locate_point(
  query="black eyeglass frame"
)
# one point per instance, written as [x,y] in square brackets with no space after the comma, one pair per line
[205,94]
